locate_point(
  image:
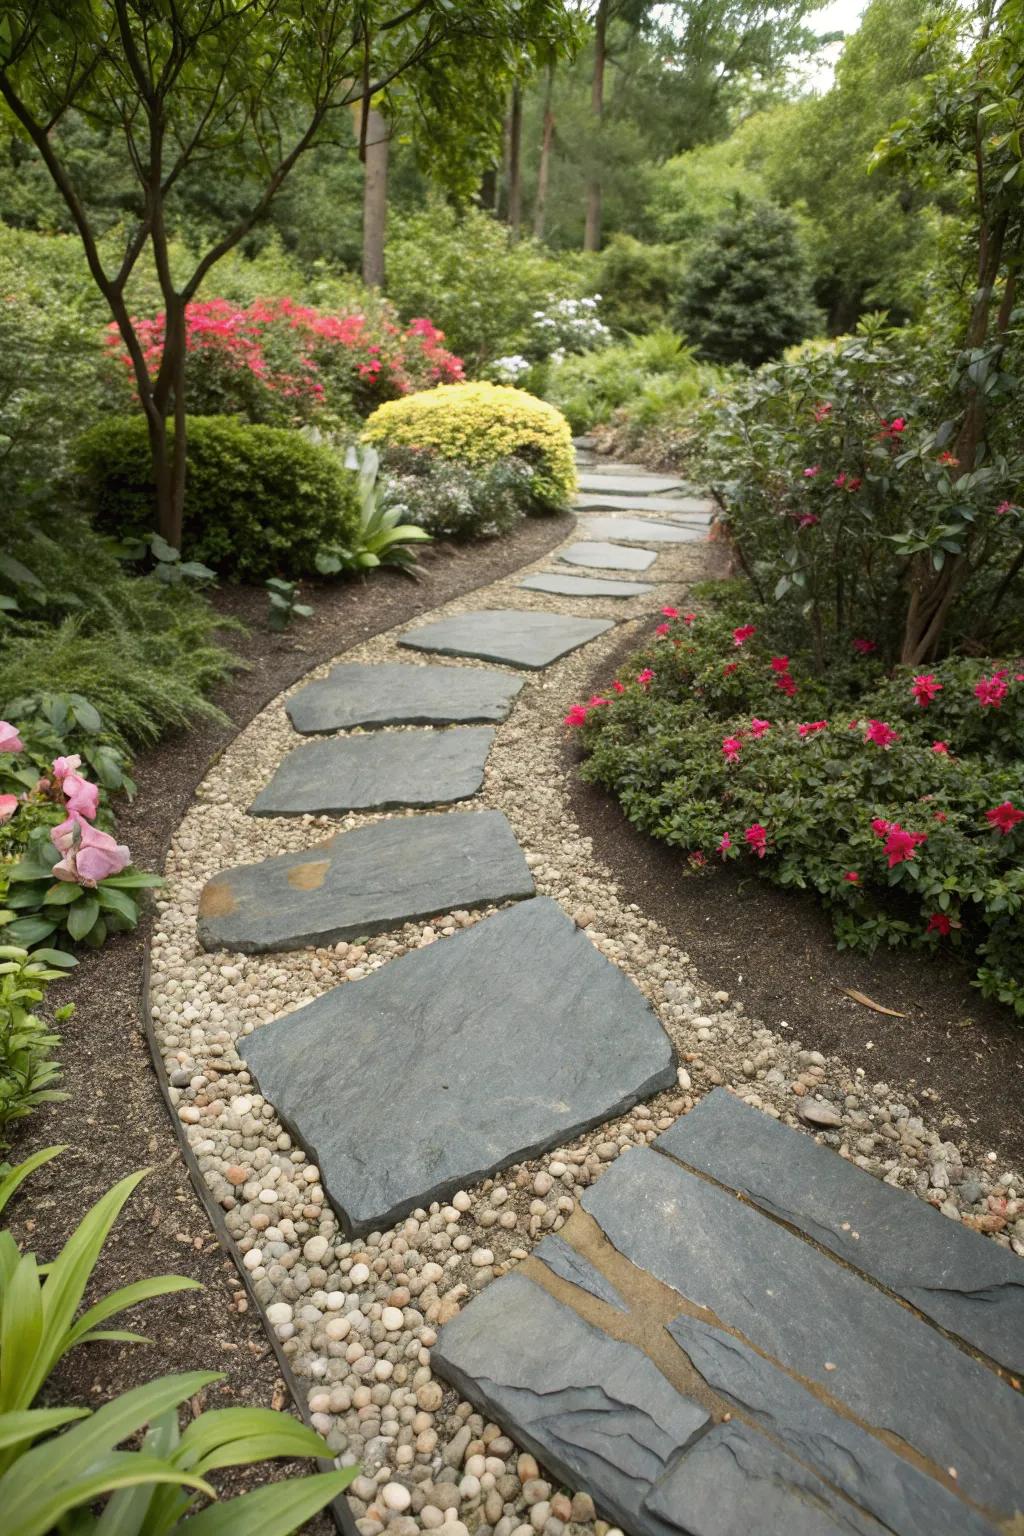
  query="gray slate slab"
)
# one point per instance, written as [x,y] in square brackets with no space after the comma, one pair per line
[511,635]
[906,1499]
[393,693]
[512,1037]
[596,1411]
[608,557]
[818,1319]
[364,882]
[639,530]
[378,773]
[628,485]
[583,586]
[968,1284]
[693,508]
[567,1262]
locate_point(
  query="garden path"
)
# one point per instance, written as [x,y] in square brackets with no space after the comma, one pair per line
[732,1328]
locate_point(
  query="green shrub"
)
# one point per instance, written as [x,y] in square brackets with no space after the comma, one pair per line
[746,295]
[28,1070]
[259,500]
[456,501]
[639,284]
[641,374]
[482,425]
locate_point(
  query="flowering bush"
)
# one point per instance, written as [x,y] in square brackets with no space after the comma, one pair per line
[458,501]
[279,363]
[902,807]
[482,425]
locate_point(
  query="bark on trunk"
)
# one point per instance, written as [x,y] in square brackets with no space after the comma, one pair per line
[375,197]
[544,168]
[515,173]
[489,190]
[592,228]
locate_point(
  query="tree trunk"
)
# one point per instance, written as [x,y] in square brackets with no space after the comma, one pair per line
[489,190]
[375,197]
[592,228]
[515,168]
[544,168]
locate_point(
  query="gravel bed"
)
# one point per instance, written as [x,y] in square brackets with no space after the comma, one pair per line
[358,1319]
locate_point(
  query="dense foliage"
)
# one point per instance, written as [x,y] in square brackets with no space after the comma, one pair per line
[653,375]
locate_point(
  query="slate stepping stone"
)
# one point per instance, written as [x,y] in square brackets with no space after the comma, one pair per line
[583,586]
[396,693]
[364,882]
[628,485]
[459,1058]
[512,635]
[608,557]
[638,530]
[695,508]
[968,1285]
[818,1320]
[378,772]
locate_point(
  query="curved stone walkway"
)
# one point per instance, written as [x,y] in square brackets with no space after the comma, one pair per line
[806,1358]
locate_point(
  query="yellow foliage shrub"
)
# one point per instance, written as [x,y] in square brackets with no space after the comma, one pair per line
[480,424]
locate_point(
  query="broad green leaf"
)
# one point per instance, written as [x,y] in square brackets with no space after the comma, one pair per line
[18,1174]
[21,1328]
[230,1428]
[30,1423]
[129,1296]
[82,916]
[35,1511]
[276,1510]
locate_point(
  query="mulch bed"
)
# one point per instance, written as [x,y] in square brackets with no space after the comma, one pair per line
[115,1120]
[774,951]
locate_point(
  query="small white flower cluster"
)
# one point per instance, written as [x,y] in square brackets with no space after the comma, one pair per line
[508,369]
[569,325]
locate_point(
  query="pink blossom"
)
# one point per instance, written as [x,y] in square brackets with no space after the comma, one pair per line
[688,618]
[758,728]
[93,857]
[900,844]
[742,635]
[1004,507]
[811,471]
[822,410]
[671,613]
[731,747]
[812,727]
[840,479]
[991,691]
[662,629]
[725,844]
[10,741]
[1004,817]
[576,716]
[893,429]
[779,663]
[8,806]
[62,766]
[729,668]
[880,826]
[942,747]
[82,797]
[865,647]
[924,688]
[939,923]
[852,877]
[595,701]
[618,687]
[757,839]
[63,837]
[880,734]
[808,520]
[786,684]
[697,859]
[644,678]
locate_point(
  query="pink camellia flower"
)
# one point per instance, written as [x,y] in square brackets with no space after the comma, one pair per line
[83,797]
[880,734]
[8,806]
[811,471]
[852,877]
[812,727]
[991,691]
[10,741]
[644,678]
[93,856]
[576,716]
[62,766]
[1004,507]
[662,629]
[757,839]
[595,701]
[725,844]
[880,826]
[779,663]
[893,429]
[900,844]
[758,728]
[618,687]
[742,635]
[1004,817]
[865,647]
[939,923]
[840,479]
[786,684]
[731,747]
[924,688]
[671,613]
[942,747]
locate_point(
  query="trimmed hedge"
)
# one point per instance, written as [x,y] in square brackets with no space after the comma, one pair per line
[480,425]
[259,501]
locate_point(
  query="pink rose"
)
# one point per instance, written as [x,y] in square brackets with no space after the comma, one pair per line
[8,806]
[82,797]
[10,741]
[91,856]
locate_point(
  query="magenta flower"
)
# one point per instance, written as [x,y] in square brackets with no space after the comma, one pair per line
[808,520]
[759,727]
[1004,817]
[880,826]
[725,844]
[644,678]
[812,727]
[924,688]
[10,741]
[942,747]
[757,839]
[742,635]
[1004,507]
[779,663]
[662,629]
[811,471]
[671,613]
[731,747]
[576,716]
[880,734]
[939,923]
[865,647]
[688,618]
[852,877]
[900,844]
[8,806]
[93,856]
[595,701]
[618,687]
[991,691]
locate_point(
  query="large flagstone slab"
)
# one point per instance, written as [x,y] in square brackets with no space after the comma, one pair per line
[693,508]
[607,557]
[639,530]
[628,485]
[512,635]
[364,882]
[583,586]
[457,1059]
[380,772]
[962,1280]
[399,693]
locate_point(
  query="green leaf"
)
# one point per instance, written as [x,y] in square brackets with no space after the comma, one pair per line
[276,1510]
[36,1513]
[16,1176]
[30,930]
[31,1423]
[129,1296]
[226,1437]
[118,901]
[82,917]
[63,893]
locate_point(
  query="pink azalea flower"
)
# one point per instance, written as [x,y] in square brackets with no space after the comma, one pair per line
[8,806]
[786,684]
[942,747]
[94,856]
[900,844]
[758,728]
[812,727]
[82,797]
[10,741]
[865,647]
[742,635]
[731,747]
[644,677]
[880,734]
[852,877]
[62,766]
[893,429]
[1004,507]
[671,613]
[880,826]
[924,688]
[688,618]
[991,691]
[840,479]
[1004,817]
[779,663]
[757,839]
[939,923]
[595,701]
[822,410]
[576,716]
[618,687]
[811,471]
[662,629]
[725,844]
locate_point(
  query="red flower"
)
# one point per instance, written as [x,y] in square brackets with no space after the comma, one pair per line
[947,458]
[688,618]
[780,663]
[758,728]
[725,844]
[618,687]
[940,816]
[757,839]
[924,688]
[852,877]
[731,747]
[742,635]
[662,629]
[942,747]
[893,429]
[900,844]
[880,734]
[671,613]
[854,484]
[822,411]
[644,677]
[880,826]
[811,471]
[1004,817]
[840,479]
[939,923]
[865,647]
[786,683]
[991,691]
[595,701]
[812,727]
[808,520]
[729,668]
[576,716]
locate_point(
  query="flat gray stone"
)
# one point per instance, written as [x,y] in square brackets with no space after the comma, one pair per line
[966,1283]
[733,1480]
[693,508]
[608,557]
[584,586]
[874,1476]
[639,530]
[596,1411]
[393,693]
[364,882]
[511,635]
[459,1058]
[628,485]
[378,772]
[567,1262]
[817,1319]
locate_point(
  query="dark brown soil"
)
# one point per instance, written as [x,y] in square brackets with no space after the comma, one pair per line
[115,1120]
[774,951]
